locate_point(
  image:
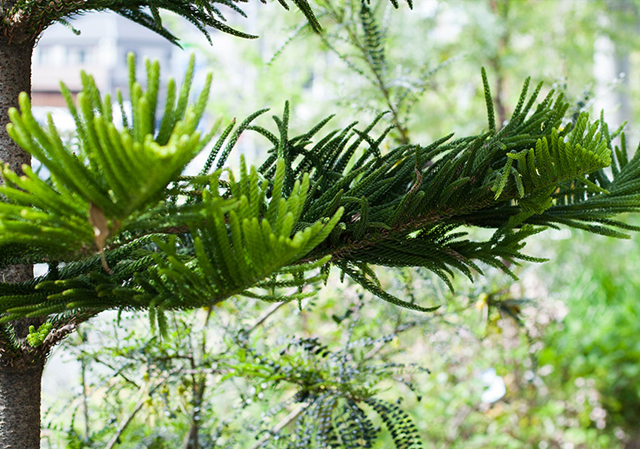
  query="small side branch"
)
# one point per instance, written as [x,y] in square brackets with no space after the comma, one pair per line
[142,399]
[281,425]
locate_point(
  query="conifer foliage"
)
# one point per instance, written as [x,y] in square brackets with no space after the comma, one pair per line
[121,228]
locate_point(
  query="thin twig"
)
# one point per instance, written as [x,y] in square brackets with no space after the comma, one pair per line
[143,398]
[281,425]
[262,318]
[379,81]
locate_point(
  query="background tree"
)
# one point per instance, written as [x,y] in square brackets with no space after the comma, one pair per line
[458,37]
[376,207]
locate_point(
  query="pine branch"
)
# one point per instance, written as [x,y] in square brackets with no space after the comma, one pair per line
[315,202]
[30,17]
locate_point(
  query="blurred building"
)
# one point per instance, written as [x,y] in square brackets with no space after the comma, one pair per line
[100,49]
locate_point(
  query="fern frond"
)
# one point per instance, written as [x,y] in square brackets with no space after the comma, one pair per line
[373,40]
[401,426]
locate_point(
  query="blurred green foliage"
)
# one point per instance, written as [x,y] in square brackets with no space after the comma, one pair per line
[435,51]
[598,339]
[240,390]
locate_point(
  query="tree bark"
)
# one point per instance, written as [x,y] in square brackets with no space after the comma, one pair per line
[20,406]
[15,77]
[21,365]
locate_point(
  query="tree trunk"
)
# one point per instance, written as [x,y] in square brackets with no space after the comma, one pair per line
[20,406]
[15,77]
[20,365]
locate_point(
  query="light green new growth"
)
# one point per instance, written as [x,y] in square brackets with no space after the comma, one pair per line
[116,171]
[36,337]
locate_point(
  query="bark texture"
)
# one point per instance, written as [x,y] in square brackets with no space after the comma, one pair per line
[15,77]
[20,406]
[20,365]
